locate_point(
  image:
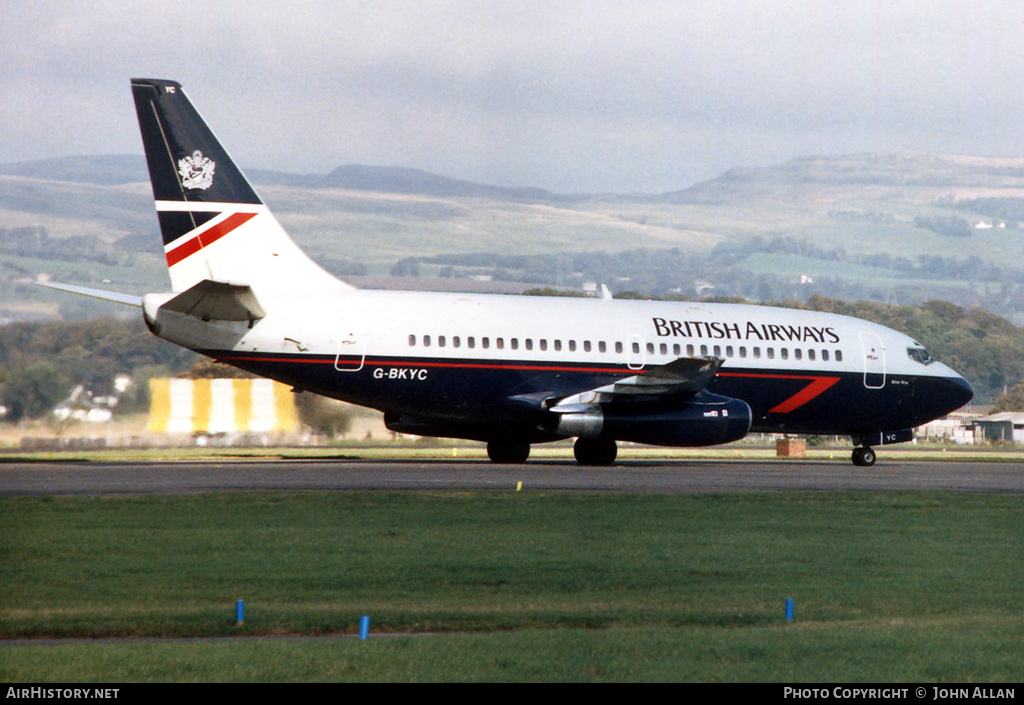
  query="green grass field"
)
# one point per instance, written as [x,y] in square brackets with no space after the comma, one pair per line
[958,651]
[517,586]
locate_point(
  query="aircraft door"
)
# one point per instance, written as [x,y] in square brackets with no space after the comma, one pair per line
[636,358]
[874,360]
[351,355]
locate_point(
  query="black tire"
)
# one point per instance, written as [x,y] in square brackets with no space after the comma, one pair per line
[864,457]
[508,451]
[595,452]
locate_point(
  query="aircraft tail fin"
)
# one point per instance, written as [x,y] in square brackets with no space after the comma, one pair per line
[214,226]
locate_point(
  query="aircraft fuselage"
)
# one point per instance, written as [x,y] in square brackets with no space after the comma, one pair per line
[457,359]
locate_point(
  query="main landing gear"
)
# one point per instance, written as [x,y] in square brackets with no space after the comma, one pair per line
[863,456]
[508,451]
[598,452]
[594,452]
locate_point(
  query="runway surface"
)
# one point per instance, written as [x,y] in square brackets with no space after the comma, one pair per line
[690,476]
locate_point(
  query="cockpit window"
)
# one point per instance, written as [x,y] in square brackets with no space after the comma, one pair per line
[920,355]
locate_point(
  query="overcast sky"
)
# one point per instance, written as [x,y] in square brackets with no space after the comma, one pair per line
[570,96]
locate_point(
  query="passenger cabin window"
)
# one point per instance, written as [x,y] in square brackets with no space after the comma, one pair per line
[412,340]
[499,343]
[839,355]
[572,346]
[689,350]
[602,347]
[543,344]
[426,341]
[784,352]
[485,343]
[798,354]
[771,353]
[636,347]
[824,355]
[757,352]
[471,342]
[515,343]
[441,341]
[677,350]
[456,341]
[529,343]
[618,347]
[663,348]
[650,348]
[728,351]
[586,346]
[810,354]
[558,345]
[718,351]
[743,351]
[704,350]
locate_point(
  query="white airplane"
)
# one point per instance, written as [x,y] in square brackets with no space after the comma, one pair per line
[507,370]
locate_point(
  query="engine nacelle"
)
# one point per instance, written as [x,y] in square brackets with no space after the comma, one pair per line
[704,420]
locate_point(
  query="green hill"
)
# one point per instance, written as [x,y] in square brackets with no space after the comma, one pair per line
[900,228]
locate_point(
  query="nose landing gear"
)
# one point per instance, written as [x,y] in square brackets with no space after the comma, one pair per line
[863,456]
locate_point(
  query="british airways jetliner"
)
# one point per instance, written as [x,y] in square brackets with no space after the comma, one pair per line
[506,370]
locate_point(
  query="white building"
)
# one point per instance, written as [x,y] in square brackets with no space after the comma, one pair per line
[1006,426]
[957,427]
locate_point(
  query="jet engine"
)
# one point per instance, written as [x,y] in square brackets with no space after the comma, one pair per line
[703,420]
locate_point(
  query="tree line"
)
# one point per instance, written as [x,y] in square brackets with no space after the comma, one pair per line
[724,272]
[41,362]
[36,242]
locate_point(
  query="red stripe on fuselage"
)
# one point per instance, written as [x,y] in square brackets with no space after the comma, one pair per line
[818,386]
[207,237]
[419,363]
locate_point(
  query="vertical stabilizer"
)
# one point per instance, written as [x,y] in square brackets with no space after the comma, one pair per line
[214,226]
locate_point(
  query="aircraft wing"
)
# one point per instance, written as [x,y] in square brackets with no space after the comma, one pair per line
[682,378]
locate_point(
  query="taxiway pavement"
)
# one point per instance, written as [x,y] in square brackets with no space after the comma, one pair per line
[689,476]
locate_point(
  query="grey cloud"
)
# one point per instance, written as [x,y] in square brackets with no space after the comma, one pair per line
[569,96]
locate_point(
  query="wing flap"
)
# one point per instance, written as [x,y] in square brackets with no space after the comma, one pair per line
[681,378]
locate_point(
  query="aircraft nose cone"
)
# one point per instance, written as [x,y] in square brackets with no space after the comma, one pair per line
[958,392]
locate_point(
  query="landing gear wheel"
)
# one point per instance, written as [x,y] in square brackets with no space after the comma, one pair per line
[508,451]
[863,457]
[599,452]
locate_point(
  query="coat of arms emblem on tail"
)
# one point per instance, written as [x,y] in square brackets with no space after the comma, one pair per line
[196,171]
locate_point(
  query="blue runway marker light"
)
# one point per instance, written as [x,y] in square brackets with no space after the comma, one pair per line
[789,610]
[364,627]
[239,611]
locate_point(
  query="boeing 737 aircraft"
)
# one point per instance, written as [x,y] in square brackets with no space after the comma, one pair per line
[507,370]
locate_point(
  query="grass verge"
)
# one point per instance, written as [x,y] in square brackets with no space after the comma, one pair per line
[546,586]
[954,651]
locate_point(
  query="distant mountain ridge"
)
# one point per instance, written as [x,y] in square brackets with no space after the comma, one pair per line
[118,169]
[896,171]
[403,180]
[900,170]
[99,170]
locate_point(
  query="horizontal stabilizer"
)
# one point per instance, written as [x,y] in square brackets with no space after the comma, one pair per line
[210,300]
[126,299]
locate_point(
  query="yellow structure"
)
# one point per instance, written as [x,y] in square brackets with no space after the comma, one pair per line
[221,406]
